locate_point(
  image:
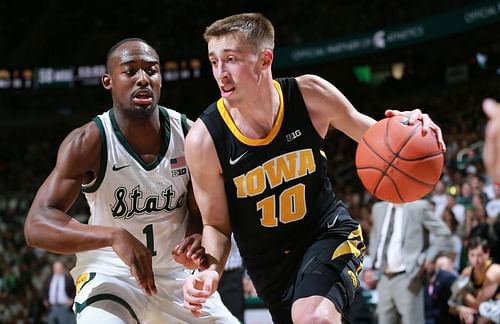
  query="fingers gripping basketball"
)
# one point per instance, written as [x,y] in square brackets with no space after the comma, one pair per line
[395,162]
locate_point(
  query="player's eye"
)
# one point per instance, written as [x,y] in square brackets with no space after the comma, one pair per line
[129,72]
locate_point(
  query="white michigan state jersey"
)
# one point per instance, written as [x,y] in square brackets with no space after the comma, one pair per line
[148,200]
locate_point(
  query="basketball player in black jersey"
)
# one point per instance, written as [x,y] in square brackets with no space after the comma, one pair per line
[258,170]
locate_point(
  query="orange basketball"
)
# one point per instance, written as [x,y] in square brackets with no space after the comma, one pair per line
[396,163]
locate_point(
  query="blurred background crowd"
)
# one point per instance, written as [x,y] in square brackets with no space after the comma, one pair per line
[447,77]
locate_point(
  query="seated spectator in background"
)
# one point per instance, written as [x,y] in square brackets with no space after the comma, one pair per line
[465,195]
[452,223]
[483,278]
[458,209]
[438,291]
[480,225]
[493,206]
[439,198]
[58,295]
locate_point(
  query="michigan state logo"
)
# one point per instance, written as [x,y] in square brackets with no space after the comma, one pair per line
[127,205]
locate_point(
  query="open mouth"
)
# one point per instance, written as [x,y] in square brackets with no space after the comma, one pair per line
[226,91]
[142,97]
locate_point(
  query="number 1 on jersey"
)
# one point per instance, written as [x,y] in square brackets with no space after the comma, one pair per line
[150,242]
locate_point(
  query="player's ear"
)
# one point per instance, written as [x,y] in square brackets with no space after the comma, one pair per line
[266,58]
[106,81]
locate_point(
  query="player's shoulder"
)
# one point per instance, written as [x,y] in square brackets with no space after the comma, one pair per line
[82,140]
[84,135]
[309,81]
[198,134]
[80,149]
[177,118]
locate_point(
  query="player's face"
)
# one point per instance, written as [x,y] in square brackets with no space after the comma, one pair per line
[135,78]
[234,67]
[477,257]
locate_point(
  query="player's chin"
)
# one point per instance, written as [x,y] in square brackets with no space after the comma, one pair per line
[144,107]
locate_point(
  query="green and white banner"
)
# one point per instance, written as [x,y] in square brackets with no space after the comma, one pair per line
[432,27]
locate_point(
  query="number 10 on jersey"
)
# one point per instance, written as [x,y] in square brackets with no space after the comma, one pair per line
[291,206]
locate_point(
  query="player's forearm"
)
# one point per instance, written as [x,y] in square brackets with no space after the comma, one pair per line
[57,232]
[195,225]
[217,246]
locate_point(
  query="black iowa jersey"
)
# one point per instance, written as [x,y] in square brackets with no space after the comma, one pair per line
[277,187]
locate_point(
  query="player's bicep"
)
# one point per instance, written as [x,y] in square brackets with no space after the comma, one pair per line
[328,107]
[75,158]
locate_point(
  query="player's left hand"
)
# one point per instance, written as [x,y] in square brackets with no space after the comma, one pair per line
[427,123]
[190,253]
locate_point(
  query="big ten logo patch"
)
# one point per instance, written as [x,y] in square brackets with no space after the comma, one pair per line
[178,166]
[293,135]
[179,172]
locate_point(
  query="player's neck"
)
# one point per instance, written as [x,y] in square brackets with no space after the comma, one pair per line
[143,134]
[255,117]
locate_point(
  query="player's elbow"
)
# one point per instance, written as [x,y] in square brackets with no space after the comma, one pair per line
[28,236]
[30,232]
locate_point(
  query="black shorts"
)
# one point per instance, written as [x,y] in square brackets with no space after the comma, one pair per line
[329,268]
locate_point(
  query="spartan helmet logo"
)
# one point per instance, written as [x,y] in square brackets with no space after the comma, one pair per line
[379,39]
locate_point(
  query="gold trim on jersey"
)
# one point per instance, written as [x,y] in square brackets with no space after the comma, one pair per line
[251,141]
[353,245]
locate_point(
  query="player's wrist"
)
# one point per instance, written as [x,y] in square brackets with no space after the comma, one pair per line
[215,268]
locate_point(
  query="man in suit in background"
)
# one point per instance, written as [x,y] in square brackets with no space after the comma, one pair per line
[400,247]
[58,295]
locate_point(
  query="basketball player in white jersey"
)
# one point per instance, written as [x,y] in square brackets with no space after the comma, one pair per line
[129,162]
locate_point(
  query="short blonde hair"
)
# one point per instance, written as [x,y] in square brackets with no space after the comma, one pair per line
[254,28]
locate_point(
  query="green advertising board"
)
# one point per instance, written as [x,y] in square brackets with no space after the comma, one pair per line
[432,27]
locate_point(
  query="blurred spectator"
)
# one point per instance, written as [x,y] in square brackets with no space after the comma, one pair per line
[478,282]
[450,221]
[402,252]
[493,206]
[58,295]
[440,198]
[477,220]
[458,210]
[438,290]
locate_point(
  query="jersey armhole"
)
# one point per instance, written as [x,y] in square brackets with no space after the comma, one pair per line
[185,125]
[94,184]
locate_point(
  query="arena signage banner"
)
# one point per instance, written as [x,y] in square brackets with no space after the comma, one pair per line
[432,27]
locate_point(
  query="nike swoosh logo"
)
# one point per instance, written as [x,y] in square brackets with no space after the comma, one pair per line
[233,162]
[115,168]
[332,224]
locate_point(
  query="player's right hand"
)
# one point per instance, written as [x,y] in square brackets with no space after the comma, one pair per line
[190,253]
[137,257]
[198,288]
